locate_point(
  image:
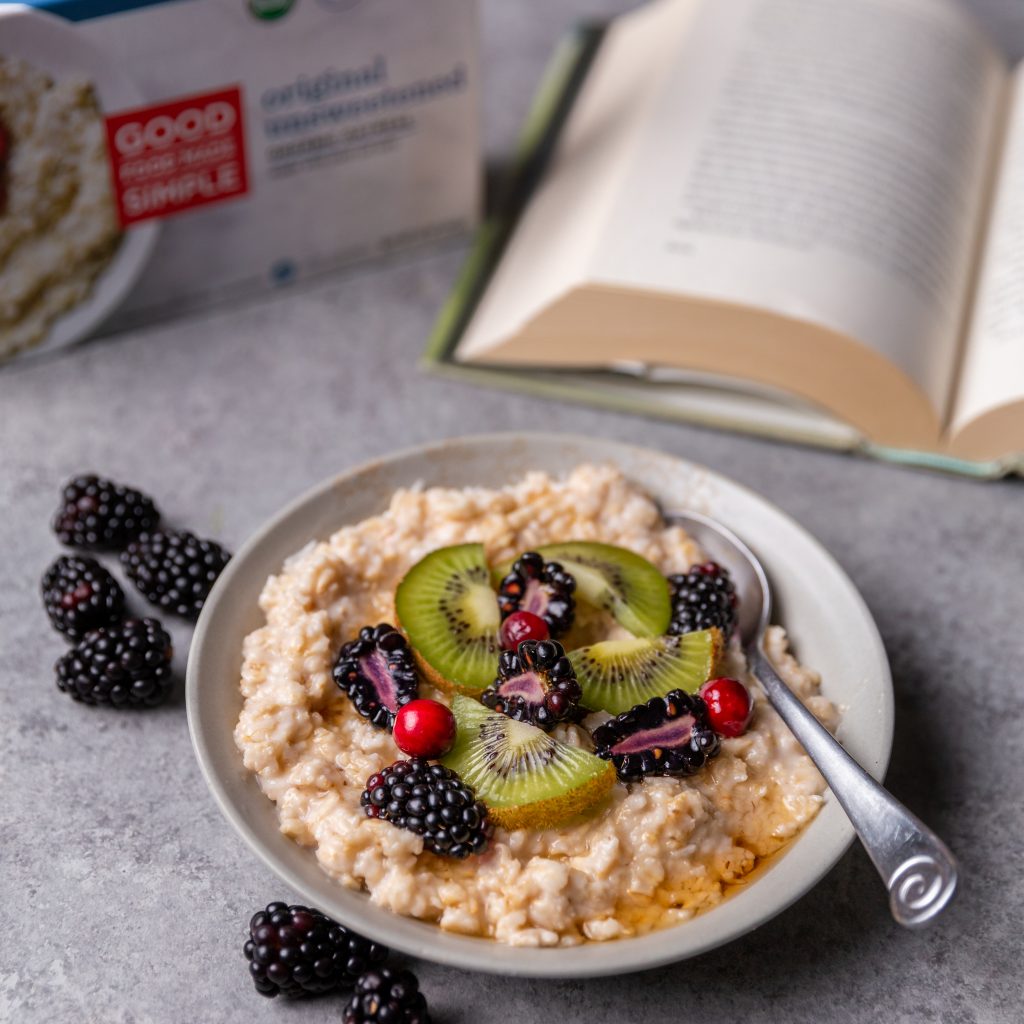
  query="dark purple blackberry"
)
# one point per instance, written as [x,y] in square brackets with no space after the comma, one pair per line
[296,952]
[544,588]
[535,684]
[174,570]
[102,515]
[432,801]
[702,598]
[387,996]
[378,673]
[125,666]
[80,595]
[668,735]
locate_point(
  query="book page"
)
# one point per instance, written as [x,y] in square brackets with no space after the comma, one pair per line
[826,160]
[560,228]
[993,367]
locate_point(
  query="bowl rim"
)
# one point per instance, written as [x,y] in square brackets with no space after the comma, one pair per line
[619,956]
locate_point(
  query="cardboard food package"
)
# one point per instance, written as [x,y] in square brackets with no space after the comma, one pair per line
[161,155]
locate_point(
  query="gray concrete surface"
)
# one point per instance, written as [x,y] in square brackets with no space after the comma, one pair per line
[125,895]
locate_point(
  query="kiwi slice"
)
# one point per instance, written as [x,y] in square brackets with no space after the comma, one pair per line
[616,675]
[450,614]
[526,778]
[617,580]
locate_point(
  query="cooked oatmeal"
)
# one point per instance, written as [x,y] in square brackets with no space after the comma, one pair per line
[651,855]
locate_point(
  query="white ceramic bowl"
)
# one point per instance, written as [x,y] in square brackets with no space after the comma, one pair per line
[830,626]
[55,45]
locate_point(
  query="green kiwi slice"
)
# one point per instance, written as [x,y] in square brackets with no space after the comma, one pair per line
[526,778]
[617,580]
[449,612]
[616,675]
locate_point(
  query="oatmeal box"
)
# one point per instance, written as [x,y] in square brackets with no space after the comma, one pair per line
[160,155]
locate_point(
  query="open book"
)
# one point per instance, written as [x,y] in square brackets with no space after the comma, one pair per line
[801,217]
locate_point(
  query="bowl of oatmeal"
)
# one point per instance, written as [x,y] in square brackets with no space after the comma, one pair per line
[648,871]
[67,263]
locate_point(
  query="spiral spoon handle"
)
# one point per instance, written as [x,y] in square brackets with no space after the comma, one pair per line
[918,869]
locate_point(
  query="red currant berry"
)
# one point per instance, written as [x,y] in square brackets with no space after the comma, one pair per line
[520,626]
[729,706]
[424,728]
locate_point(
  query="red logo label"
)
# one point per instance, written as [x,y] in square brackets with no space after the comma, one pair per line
[177,155]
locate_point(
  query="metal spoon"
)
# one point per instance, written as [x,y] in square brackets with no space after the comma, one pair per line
[918,869]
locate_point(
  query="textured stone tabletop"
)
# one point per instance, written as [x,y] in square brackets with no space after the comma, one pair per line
[125,894]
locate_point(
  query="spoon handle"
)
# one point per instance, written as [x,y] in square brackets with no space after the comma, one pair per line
[916,866]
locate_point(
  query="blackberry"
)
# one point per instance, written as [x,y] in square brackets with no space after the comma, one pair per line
[174,570]
[536,684]
[80,595]
[668,735]
[702,598]
[296,951]
[432,801]
[125,666]
[544,588]
[387,996]
[101,515]
[378,673]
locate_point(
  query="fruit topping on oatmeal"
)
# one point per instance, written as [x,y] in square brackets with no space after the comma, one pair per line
[618,581]
[668,735]
[703,598]
[431,801]
[617,674]
[520,626]
[378,672]
[729,705]
[535,684]
[526,778]
[424,728]
[543,588]
[448,610]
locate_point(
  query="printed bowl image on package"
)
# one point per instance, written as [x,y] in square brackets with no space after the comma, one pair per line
[159,156]
[66,261]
